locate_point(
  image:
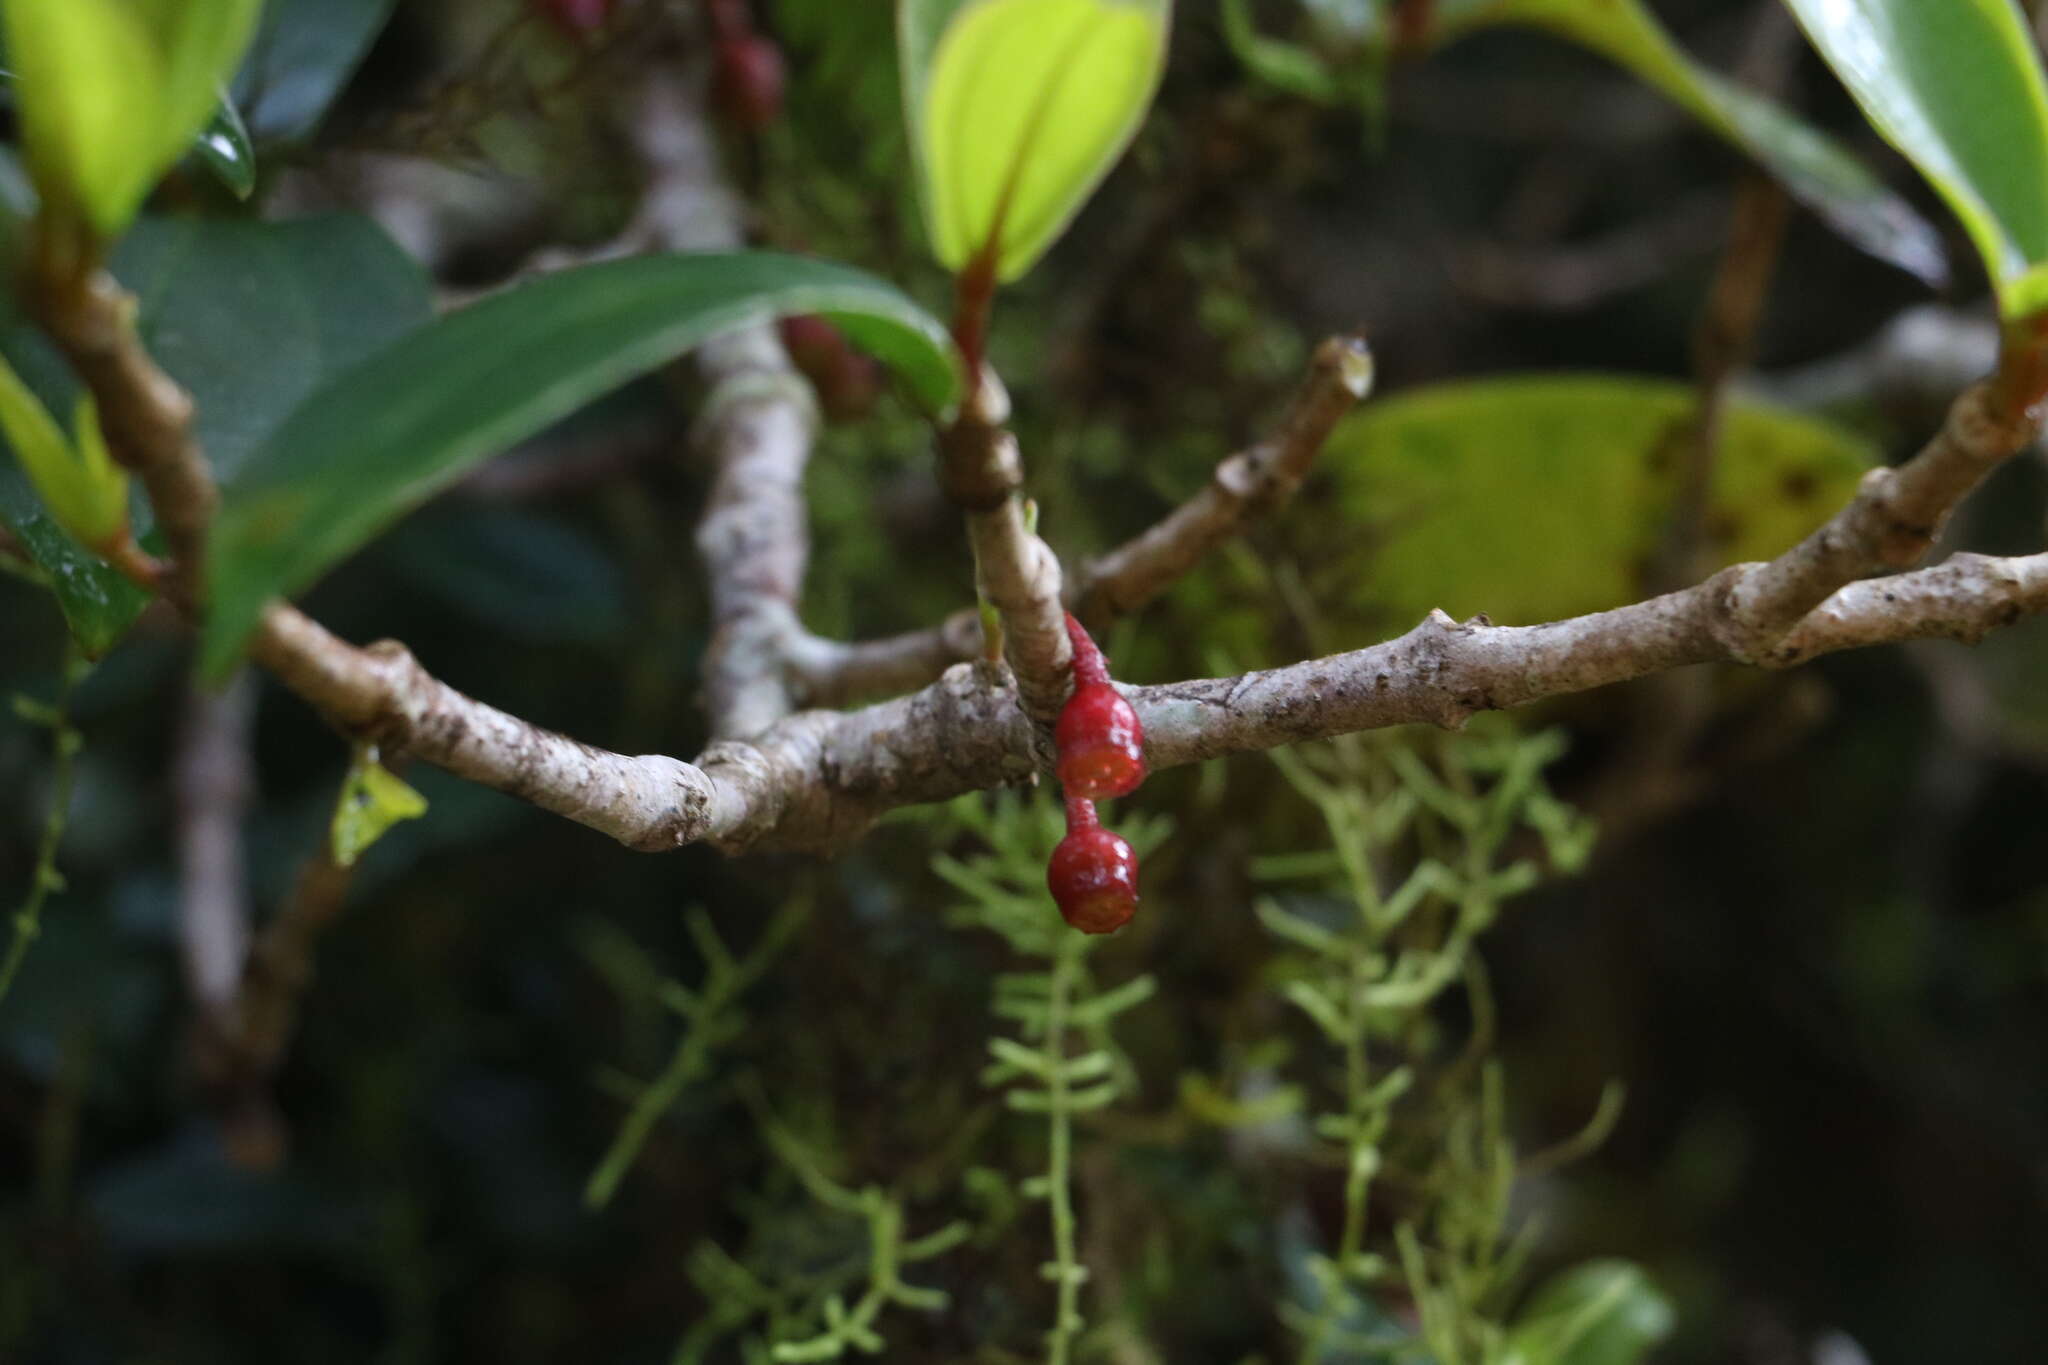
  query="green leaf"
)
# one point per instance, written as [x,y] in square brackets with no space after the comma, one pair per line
[1567,482]
[252,317]
[415,416]
[97,602]
[373,799]
[1956,87]
[1018,108]
[1813,168]
[304,53]
[223,147]
[1599,1313]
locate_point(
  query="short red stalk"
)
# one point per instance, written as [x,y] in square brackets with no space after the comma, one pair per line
[974,293]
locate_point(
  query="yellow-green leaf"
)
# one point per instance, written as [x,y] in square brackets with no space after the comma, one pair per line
[104,483]
[1018,108]
[90,92]
[86,493]
[373,799]
[1538,497]
[112,92]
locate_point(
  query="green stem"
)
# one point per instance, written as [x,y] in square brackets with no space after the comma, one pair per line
[724,982]
[1059,1195]
[28,920]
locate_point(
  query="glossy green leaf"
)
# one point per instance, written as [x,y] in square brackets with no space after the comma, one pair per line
[1600,1313]
[223,148]
[415,416]
[1564,483]
[1018,108]
[304,53]
[1813,168]
[1957,87]
[372,800]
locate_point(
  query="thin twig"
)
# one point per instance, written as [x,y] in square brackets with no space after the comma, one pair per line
[1252,483]
[1722,344]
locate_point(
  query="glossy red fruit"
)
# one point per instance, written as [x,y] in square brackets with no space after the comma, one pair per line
[1093,875]
[747,80]
[576,17]
[845,381]
[1099,738]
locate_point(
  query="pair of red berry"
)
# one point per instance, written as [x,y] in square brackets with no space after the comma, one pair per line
[1093,875]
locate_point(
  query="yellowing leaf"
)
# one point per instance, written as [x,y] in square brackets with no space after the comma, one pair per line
[373,799]
[1533,498]
[1022,110]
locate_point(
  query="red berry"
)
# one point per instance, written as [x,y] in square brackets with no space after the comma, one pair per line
[1101,743]
[1093,875]
[577,17]
[747,78]
[846,381]
[1100,740]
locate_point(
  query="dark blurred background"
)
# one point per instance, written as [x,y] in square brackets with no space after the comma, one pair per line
[1813,941]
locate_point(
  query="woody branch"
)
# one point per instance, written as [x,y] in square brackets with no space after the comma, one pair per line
[816,779]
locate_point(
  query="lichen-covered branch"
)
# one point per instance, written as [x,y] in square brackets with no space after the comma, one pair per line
[1890,523]
[1253,483]
[1016,572]
[832,673]
[381,693]
[755,429]
[1443,671]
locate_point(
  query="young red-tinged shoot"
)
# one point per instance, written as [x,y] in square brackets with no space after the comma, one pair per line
[1093,875]
[1099,738]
